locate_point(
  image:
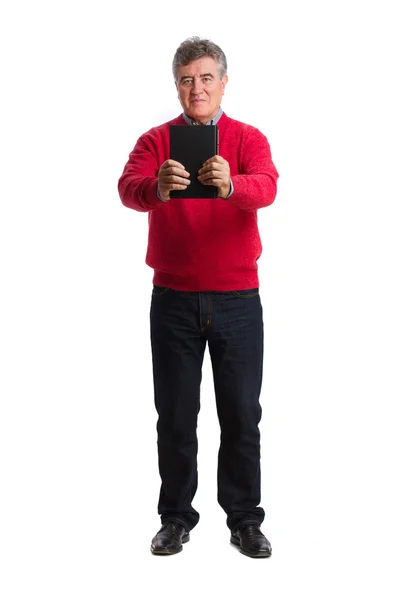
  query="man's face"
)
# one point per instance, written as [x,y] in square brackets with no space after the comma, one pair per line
[200,89]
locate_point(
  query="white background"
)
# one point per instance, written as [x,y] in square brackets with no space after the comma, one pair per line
[79,485]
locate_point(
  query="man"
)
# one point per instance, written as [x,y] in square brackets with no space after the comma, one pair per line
[204,254]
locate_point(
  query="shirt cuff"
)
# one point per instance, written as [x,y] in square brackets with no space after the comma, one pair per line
[160,198]
[231,191]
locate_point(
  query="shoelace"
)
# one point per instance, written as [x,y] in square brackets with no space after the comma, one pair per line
[252,531]
[174,530]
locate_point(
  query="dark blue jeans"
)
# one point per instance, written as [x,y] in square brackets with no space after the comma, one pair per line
[182,323]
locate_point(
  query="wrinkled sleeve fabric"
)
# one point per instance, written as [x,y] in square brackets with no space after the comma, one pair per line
[255,186]
[137,185]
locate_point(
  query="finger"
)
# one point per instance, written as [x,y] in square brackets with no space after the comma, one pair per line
[213,174]
[173,186]
[173,163]
[174,171]
[213,166]
[168,179]
[214,181]
[215,159]
[209,170]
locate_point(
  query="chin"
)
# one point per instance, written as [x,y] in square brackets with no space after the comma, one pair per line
[199,108]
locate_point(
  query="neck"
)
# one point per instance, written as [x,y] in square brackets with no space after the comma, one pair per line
[213,120]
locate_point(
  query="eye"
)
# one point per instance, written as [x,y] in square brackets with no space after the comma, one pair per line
[187,82]
[206,80]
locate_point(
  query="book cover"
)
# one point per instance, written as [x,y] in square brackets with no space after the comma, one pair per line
[192,145]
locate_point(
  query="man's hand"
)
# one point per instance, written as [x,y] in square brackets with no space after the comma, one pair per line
[216,171]
[172,176]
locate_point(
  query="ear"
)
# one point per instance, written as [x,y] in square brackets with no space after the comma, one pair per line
[224,82]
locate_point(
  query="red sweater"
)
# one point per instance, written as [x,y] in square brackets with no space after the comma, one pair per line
[200,244]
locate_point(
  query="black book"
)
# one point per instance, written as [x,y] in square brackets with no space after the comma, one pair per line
[192,145]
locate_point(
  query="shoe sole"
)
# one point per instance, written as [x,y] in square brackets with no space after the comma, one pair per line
[166,552]
[234,540]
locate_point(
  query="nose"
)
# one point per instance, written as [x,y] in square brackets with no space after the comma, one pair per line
[197,86]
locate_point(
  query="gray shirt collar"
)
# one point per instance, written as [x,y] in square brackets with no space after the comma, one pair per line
[213,121]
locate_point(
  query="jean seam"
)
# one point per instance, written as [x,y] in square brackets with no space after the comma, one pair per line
[243,296]
[164,291]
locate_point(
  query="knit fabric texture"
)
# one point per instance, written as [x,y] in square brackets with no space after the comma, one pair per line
[203,244]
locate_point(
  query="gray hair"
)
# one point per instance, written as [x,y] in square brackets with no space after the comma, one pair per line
[194,48]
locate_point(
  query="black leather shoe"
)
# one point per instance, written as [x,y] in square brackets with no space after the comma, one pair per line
[252,542]
[169,539]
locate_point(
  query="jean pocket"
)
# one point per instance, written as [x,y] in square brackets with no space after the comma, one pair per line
[159,290]
[251,293]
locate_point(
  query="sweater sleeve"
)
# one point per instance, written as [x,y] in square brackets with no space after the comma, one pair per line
[137,185]
[256,184]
